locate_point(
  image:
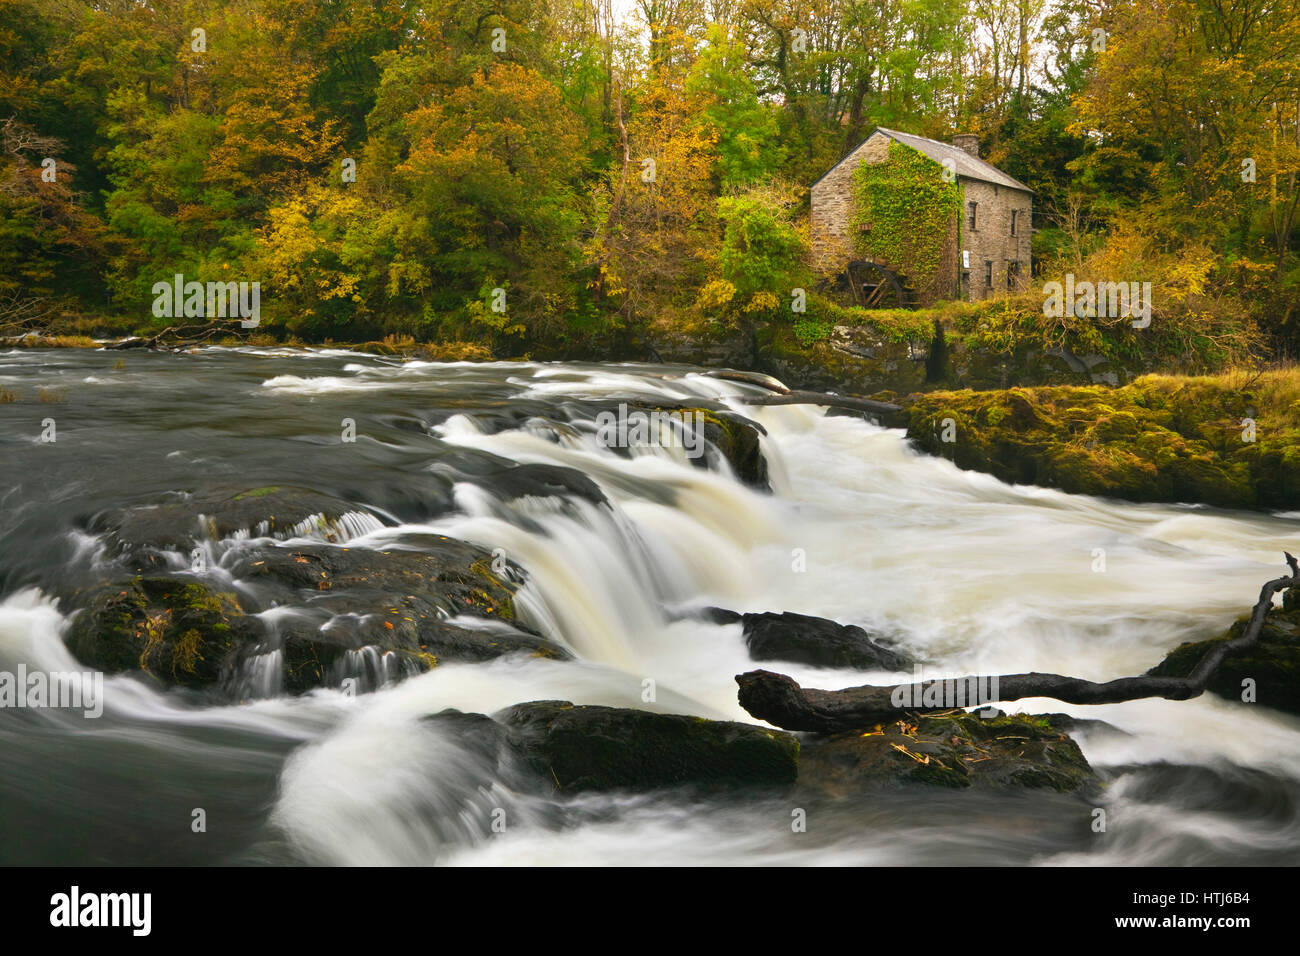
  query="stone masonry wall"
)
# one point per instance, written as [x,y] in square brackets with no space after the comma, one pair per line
[991,241]
[832,207]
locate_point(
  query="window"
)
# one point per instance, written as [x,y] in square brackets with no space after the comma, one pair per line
[988,273]
[970,214]
[1013,275]
[1014,214]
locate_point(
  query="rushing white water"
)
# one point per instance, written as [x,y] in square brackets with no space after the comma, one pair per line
[968,573]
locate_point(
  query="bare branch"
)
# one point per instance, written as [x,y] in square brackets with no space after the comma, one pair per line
[779,700]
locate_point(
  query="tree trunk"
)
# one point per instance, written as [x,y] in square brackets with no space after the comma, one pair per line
[781,701]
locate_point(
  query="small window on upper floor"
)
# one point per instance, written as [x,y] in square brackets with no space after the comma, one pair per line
[971,208]
[1015,213]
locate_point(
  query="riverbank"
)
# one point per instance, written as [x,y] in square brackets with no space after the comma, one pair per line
[1230,440]
[1090,409]
[359,651]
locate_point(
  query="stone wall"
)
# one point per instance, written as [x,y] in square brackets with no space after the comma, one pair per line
[991,244]
[832,207]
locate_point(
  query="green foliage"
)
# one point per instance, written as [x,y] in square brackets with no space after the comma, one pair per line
[525,163]
[897,325]
[904,212]
[761,249]
[747,147]
[808,331]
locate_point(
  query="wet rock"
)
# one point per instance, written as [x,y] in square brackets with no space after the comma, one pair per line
[541,481]
[398,601]
[142,534]
[804,639]
[1071,725]
[1272,664]
[731,437]
[176,630]
[417,606]
[956,751]
[609,748]
[737,439]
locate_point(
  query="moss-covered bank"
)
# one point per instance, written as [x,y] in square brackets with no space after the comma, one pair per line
[1231,441]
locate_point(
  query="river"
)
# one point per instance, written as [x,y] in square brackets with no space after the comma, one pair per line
[973,575]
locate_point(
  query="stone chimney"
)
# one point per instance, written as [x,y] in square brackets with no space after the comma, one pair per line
[968,142]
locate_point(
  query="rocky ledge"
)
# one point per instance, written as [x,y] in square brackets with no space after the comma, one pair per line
[573,749]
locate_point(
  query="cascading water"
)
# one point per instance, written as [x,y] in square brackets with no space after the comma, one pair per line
[969,574]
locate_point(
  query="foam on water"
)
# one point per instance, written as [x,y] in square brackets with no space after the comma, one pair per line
[971,574]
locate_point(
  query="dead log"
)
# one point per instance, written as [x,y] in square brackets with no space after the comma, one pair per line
[851,402]
[179,338]
[750,378]
[779,700]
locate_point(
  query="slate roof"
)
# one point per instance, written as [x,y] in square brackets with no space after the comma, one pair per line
[964,163]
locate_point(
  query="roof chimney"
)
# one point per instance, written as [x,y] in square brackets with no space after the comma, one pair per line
[968,142]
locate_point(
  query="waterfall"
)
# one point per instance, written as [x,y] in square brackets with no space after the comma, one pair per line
[969,575]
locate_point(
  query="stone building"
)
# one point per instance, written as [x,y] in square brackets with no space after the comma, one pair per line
[986,249]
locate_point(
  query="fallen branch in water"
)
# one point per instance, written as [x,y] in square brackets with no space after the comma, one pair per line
[178,338]
[825,398]
[750,378]
[779,700]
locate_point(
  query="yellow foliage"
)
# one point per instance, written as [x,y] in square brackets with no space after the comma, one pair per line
[716,294]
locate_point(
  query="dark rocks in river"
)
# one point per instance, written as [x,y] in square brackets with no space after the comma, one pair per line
[737,439]
[609,748]
[958,751]
[730,438]
[393,600]
[176,629]
[803,639]
[1273,663]
[575,749]
[331,600]
[541,481]
[144,533]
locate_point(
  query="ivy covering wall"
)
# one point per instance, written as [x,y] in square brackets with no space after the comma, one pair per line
[910,212]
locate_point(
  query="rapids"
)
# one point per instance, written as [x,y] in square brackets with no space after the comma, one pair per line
[972,575]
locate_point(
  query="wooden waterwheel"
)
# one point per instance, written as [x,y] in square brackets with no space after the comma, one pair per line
[873,286]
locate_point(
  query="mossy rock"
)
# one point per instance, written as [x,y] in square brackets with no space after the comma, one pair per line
[857,359]
[609,748]
[1148,441]
[1272,665]
[397,600]
[332,600]
[737,439]
[733,438]
[955,751]
[176,630]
